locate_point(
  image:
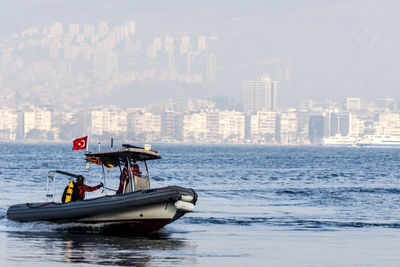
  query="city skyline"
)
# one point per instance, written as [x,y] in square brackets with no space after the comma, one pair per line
[342,56]
[41,64]
[201,121]
[205,75]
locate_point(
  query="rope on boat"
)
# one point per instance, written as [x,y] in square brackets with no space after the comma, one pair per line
[30,205]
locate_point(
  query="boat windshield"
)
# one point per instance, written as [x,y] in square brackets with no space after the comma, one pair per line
[141,170]
[138,177]
[132,157]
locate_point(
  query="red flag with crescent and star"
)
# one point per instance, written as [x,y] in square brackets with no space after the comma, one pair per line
[80,143]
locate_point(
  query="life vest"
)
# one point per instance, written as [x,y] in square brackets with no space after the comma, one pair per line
[68,194]
[136,171]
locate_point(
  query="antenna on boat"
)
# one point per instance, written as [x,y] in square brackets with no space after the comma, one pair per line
[112,143]
[99,146]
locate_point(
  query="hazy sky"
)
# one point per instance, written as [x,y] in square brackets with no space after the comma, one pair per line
[327,48]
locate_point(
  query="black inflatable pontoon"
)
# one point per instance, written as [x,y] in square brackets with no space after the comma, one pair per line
[143,209]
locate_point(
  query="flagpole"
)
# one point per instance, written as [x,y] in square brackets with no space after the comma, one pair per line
[87,147]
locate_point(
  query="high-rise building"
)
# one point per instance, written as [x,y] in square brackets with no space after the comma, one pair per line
[353,104]
[231,126]
[73,29]
[169,43]
[263,127]
[144,126]
[189,63]
[56,30]
[105,64]
[55,47]
[88,30]
[151,51]
[168,125]
[212,125]
[38,120]
[211,68]
[8,124]
[185,45]
[288,127]
[157,42]
[42,119]
[131,27]
[171,59]
[302,126]
[389,120]
[340,123]
[259,94]
[102,29]
[356,126]
[169,48]
[201,43]
[194,127]
[107,120]
[316,128]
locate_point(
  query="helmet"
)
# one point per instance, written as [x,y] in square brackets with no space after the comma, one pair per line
[135,166]
[80,180]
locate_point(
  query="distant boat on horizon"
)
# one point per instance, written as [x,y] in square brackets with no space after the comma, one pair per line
[383,140]
[377,140]
[339,140]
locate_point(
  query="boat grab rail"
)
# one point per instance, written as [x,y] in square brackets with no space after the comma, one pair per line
[51,179]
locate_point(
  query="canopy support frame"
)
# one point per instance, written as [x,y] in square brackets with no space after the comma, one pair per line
[104,178]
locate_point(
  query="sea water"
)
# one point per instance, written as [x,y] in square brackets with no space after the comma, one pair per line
[257,206]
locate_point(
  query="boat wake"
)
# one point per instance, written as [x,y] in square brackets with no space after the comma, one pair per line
[292,223]
[12,226]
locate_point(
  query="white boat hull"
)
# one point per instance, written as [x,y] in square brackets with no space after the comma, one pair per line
[159,211]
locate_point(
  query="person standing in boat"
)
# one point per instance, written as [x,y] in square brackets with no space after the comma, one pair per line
[124,177]
[76,190]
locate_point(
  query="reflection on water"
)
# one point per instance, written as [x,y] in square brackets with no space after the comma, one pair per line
[80,247]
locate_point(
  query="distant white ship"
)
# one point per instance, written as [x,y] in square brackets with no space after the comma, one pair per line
[379,141]
[339,140]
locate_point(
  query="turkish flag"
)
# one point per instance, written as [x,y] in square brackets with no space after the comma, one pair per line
[80,143]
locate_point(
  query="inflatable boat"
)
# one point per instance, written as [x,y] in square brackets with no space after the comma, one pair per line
[136,206]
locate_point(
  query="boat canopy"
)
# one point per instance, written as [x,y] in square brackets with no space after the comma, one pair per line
[113,158]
